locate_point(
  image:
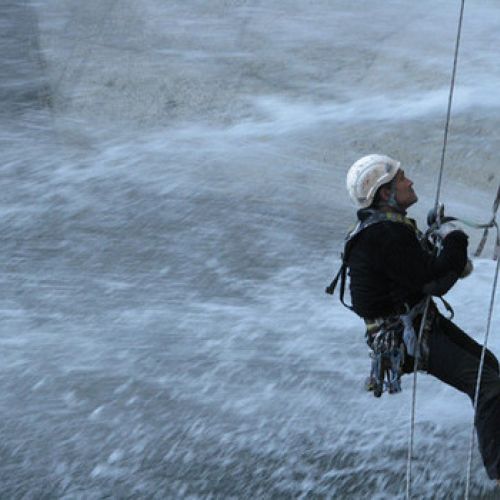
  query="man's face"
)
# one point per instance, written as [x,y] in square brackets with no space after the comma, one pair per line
[405,196]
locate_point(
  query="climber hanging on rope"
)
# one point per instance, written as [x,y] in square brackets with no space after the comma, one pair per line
[393,268]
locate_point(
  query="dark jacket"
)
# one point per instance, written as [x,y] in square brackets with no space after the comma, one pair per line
[389,267]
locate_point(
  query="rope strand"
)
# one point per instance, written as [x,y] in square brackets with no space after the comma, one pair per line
[450,100]
[414,400]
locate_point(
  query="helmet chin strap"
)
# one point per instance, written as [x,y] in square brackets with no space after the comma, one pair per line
[392,202]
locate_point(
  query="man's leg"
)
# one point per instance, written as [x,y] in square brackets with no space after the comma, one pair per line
[454,359]
[460,338]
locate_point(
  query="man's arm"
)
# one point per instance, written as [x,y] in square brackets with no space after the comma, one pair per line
[414,270]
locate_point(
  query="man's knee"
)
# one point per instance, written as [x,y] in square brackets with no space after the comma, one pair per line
[492,361]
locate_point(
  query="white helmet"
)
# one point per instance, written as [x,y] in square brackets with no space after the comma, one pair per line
[367,174]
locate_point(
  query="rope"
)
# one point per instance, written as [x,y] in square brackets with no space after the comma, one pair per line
[414,399]
[450,99]
[436,211]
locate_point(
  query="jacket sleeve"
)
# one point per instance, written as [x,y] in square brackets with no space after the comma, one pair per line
[441,286]
[414,270]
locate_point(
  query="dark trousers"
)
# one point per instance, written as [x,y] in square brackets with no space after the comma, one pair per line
[454,358]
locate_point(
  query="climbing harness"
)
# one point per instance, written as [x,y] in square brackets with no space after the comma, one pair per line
[393,342]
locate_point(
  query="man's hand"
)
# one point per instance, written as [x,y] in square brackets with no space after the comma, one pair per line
[440,225]
[445,229]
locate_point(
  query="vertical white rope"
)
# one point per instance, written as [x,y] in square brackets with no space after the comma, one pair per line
[436,206]
[450,100]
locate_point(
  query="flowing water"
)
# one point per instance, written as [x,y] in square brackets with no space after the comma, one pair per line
[173,206]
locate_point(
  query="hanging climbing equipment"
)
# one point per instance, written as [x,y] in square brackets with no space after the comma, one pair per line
[385,339]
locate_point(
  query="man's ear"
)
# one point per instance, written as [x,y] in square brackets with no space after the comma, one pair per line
[384,193]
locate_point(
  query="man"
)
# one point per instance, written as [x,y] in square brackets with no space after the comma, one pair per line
[393,268]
